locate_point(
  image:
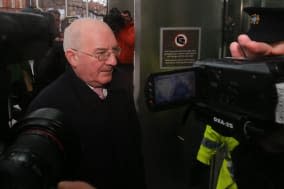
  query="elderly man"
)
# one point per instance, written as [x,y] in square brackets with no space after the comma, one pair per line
[100,113]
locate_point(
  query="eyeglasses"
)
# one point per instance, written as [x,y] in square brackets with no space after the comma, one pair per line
[102,54]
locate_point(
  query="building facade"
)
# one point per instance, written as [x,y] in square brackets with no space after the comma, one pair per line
[74,7]
[12,5]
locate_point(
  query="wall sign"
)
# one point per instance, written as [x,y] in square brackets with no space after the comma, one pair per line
[179,46]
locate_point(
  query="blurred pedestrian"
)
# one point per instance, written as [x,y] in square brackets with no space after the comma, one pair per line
[123,27]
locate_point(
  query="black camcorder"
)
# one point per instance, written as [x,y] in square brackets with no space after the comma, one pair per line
[230,94]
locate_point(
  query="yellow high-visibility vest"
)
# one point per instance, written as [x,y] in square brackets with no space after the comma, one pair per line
[216,148]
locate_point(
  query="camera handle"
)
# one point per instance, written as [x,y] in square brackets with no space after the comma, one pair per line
[225,122]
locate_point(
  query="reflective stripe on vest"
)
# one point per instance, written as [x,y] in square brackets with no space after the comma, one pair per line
[210,144]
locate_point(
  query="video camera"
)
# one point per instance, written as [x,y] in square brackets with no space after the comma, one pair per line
[231,94]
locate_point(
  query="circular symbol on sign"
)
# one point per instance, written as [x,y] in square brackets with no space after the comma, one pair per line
[181,40]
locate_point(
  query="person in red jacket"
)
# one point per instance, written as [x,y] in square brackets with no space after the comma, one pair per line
[126,39]
[123,27]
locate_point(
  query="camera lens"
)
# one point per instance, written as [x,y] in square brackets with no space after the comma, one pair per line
[34,160]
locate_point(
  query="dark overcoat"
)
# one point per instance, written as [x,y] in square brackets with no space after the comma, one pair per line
[108,132]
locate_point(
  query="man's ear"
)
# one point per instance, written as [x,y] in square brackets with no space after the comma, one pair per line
[72,57]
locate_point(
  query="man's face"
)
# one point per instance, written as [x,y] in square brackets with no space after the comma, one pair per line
[96,58]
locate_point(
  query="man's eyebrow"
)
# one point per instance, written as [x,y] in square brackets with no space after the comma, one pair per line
[100,49]
[105,49]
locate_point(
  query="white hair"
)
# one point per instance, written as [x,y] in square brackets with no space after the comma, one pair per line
[72,34]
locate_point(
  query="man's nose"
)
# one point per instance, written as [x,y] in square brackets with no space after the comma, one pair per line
[112,60]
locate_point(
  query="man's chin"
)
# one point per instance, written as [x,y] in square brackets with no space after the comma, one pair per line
[106,80]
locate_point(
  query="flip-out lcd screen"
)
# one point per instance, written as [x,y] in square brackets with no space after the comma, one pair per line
[169,89]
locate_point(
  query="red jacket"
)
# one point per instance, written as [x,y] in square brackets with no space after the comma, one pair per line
[126,41]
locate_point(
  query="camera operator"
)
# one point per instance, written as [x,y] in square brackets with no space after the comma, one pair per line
[74,185]
[27,37]
[257,161]
[54,62]
[267,162]
[245,47]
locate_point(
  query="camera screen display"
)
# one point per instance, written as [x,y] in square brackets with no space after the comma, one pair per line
[174,87]
[170,89]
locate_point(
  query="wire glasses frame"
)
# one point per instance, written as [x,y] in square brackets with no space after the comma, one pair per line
[101,54]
